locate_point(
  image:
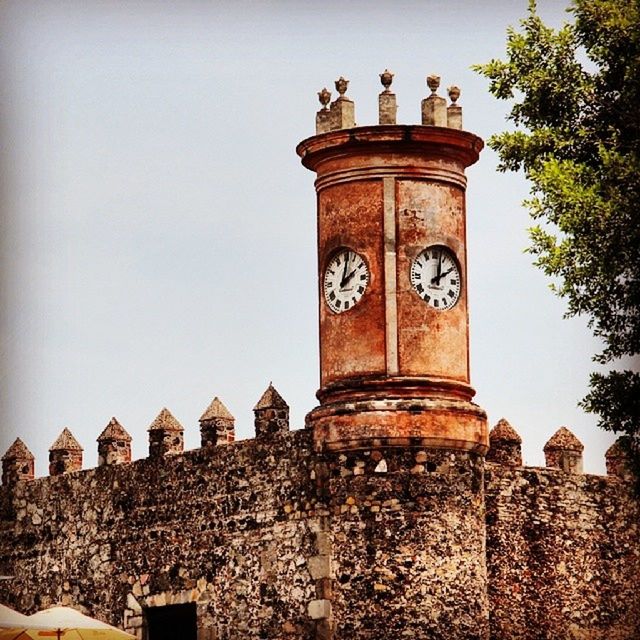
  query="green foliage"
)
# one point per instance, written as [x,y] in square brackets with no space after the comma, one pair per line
[575,96]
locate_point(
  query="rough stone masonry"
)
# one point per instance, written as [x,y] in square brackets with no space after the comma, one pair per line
[271,539]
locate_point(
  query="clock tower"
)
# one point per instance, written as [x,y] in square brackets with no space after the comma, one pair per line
[392,277]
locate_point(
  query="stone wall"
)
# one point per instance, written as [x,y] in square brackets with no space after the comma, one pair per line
[230,528]
[563,555]
[273,540]
[408,545]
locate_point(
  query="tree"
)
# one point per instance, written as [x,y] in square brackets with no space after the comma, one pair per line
[576,111]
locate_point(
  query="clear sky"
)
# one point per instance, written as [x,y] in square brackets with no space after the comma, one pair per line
[158,230]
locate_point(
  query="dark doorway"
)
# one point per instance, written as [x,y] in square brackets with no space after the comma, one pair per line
[173,622]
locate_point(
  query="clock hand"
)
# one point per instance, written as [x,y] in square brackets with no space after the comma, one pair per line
[442,275]
[346,280]
[344,271]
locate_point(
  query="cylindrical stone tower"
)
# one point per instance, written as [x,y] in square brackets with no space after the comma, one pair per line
[400,443]
[392,270]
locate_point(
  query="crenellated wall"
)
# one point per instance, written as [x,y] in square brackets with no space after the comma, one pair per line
[271,539]
[563,555]
[230,528]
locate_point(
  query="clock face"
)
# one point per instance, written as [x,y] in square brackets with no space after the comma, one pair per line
[435,277]
[345,280]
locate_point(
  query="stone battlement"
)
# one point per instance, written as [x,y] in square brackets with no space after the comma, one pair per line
[217,428]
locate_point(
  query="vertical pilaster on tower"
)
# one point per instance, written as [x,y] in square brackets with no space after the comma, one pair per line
[217,425]
[564,451]
[65,454]
[434,108]
[454,110]
[387,107]
[17,463]
[271,414]
[323,117]
[114,444]
[342,109]
[505,445]
[166,435]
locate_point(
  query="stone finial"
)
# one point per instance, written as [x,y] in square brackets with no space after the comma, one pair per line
[564,451]
[342,109]
[454,111]
[387,107]
[325,97]
[271,414]
[18,463]
[433,82]
[434,108]
[341,87]
[114,444]
[166,435]
[618,459]
[323,117]
[505,445]
[65,454]
[386,78]
[217,425]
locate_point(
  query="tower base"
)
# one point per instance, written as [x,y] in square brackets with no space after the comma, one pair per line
[421,422]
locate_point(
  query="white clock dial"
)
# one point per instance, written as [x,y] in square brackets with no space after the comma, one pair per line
[345,280]
[435,277]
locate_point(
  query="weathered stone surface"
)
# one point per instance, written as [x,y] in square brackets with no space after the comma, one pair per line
[229,528]
[166,435]
[618,459]
[505,445]
[408,549]
[383,520]
[255,532]
[434,108]
[563,555]
[18,463]
[454,110]
[271,414]
[319,609]
[114,444]
[217,425]
[65,454]
[564,451]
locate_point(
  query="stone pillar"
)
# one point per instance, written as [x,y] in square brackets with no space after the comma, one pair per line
[271,414]
[65,454]
[434,108]
[505,445]
[18,463]
[564,451]
[323,117]
[387,107]
[342,109]
[166,435]
[114,445]
[454,110]
[618,459]
[216,425]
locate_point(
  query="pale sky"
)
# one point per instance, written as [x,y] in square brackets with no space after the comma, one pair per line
[158,241]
